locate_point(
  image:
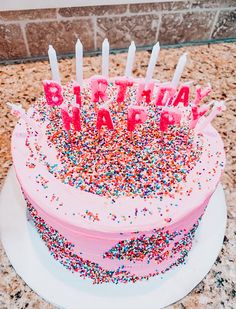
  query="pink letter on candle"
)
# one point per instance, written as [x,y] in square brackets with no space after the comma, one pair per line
[136,115]
[182,96]
[75,119]
[123,84]
[53,92]
[200,94]
[98,87]
[197,112]
[104,119]
[164,93]
[169,117]
[76,91]
[217,109]
[145,91]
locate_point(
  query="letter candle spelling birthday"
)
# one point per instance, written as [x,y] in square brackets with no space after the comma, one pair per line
[104,118]
[197,113]
[122,83]
[53,93]
[164,94]
[136,115]
[201,93]
[145,91]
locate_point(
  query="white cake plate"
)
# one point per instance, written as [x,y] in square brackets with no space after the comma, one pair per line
[33,263]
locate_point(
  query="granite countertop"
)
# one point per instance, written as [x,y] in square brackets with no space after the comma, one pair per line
[215,64]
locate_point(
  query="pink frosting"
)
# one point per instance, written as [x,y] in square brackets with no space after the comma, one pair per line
[85,218]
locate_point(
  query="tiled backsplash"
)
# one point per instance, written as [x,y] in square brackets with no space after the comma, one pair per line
[28,33]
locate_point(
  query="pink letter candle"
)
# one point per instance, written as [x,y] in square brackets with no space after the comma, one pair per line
[136,115]
[74,119]
[164,94]
[169,117]
[98,87]
[76,91]
[197,112]
[145,92]
[53,93]
[104,119]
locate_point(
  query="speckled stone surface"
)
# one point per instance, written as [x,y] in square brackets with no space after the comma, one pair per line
[214,64]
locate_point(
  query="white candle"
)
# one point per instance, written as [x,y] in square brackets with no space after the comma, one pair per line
[130,60]
[53,63]
[79,62]
[152,62]
[105,58]
[179,70]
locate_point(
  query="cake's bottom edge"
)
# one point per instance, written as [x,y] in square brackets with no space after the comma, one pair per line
[63,251]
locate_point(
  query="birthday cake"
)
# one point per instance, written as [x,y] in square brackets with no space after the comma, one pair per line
[117,173]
